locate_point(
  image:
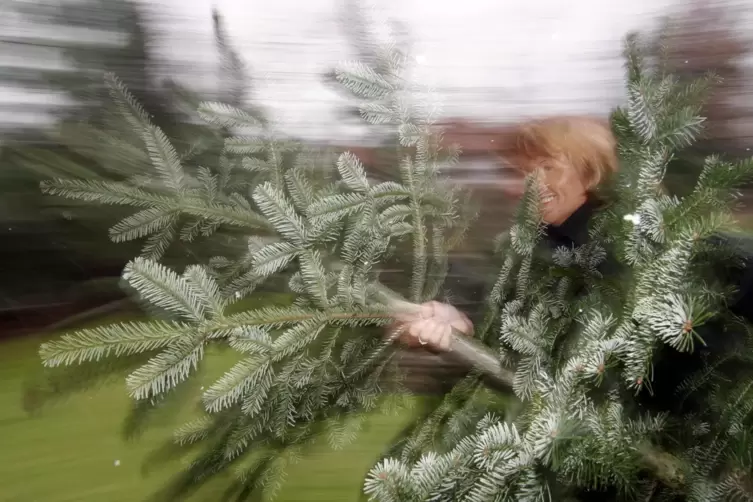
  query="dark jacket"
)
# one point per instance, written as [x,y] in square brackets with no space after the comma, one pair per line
[470,280]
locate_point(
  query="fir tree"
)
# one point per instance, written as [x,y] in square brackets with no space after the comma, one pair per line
[582,365]
[305,366]
[574,364]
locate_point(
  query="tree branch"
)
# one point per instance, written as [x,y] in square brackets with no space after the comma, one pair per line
[473,354]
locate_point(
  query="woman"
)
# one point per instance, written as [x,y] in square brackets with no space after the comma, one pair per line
[572,156]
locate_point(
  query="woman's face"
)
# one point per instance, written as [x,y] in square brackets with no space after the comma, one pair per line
[562,191]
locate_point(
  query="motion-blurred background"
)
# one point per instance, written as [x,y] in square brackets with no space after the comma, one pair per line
[492,63]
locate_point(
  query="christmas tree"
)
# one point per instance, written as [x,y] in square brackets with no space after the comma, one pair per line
[575,336]
[288,210]
[628,351]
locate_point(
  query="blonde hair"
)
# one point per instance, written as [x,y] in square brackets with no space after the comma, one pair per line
[585,144]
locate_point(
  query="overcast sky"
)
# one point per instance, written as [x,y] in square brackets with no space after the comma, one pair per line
[491,59]
[494,59]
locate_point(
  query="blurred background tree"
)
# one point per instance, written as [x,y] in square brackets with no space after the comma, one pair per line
[61,50]
[54,253]
[703,37]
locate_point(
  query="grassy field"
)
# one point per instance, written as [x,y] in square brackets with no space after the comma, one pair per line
[74,450]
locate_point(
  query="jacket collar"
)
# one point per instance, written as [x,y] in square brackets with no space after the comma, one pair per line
[574,230]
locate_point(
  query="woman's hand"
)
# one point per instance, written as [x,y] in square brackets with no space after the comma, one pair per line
[432,325]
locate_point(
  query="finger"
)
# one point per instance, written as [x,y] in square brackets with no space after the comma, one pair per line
[469,329]
[445,338]
[433,333]
[416,328]
[449,312]
[462,324]
[423,331]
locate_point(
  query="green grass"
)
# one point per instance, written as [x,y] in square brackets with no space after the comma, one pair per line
[68,450]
